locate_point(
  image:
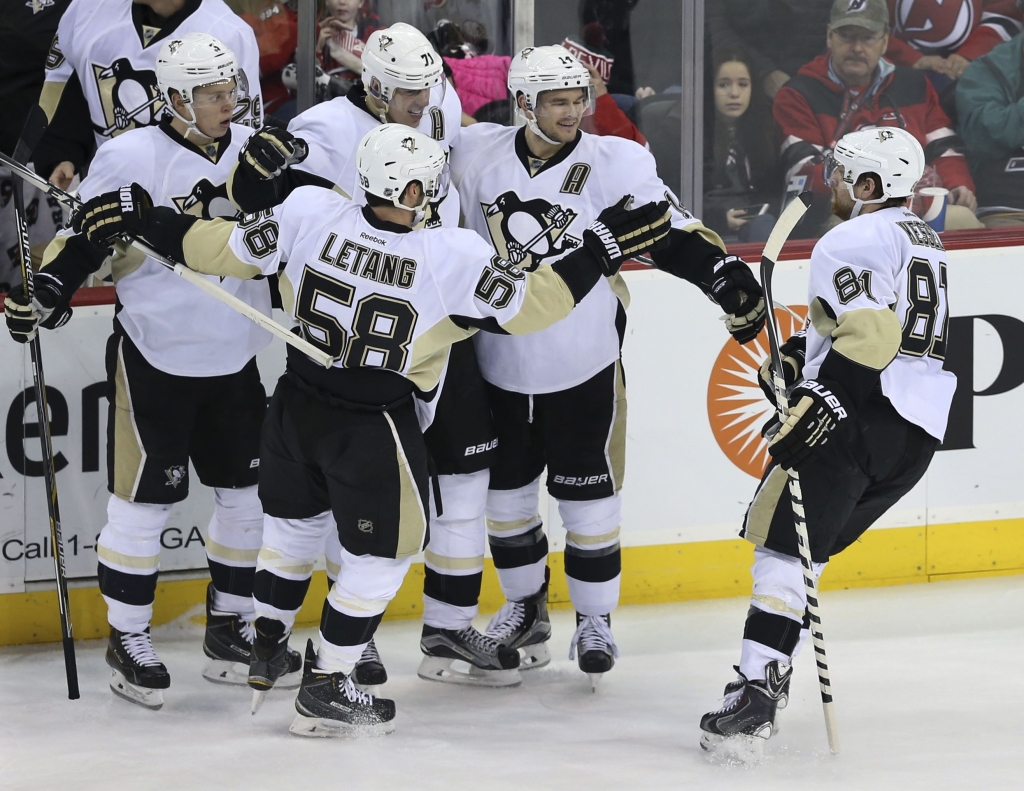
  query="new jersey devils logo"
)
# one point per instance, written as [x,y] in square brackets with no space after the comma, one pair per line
[935,24]
[129,97]
[207,201]
[527,232]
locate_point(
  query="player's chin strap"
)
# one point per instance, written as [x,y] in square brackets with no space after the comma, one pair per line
[531,122]
[189,124]
[859,204]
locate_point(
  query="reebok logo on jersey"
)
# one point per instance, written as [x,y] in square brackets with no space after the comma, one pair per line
[374,239]
[483,447]
[580,480]
[127,206]
[833,402]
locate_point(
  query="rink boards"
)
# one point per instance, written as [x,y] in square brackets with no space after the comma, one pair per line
[693,453]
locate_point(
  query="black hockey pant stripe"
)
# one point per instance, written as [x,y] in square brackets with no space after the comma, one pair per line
[512,552]
[279,592]
[458,591]
[135,589]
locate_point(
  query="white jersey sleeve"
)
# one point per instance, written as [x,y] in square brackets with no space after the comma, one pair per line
[59,60]
[879,314]
[322,127]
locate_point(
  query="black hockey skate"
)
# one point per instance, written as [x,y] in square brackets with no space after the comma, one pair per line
[228,643]
[595,646]
[467,657]
[524,625]
[137,675]
[370,673]
[738,683]
[330,704]
[271,660]
[739,730]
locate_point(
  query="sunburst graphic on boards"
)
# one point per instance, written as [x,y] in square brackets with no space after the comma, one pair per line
[737,407]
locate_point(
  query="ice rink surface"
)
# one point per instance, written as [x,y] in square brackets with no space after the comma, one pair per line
[926,677]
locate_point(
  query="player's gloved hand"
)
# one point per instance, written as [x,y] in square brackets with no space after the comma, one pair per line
[24,316]
[620,232]
[270,150]
[794,354]
[113,214]
[817,415]
[733,286]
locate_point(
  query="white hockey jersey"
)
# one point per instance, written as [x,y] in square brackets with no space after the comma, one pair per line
[333,129]
[114,55]
[374,294]
[178,328]
[888,260]
[533,213]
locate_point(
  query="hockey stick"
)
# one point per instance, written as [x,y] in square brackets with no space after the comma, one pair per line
[46,444]
[183,272]
[790,217]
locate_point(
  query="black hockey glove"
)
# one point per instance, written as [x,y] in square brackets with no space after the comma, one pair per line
[794,354]
[111,215]
[270,150]
[731,284]
[619,232]
[818,414]
[24,317]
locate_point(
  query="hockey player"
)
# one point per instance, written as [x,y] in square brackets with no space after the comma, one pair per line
[386,302]
[182,376]
[558,396]
[403,81]
[101,73]
[868,410]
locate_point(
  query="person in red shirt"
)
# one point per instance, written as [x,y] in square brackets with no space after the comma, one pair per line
[946,36]
[854,87]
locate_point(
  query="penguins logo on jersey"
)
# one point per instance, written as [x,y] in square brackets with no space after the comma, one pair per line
[129,97]
[527,232]
[207,201]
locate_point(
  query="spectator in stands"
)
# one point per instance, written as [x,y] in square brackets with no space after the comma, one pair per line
[777,36]
[277,32]
[945,37]
[990,104]
[608,118]
[855,87]
[741,179]
[342,34]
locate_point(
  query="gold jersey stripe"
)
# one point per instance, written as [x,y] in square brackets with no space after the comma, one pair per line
[207,250]
[453,564]
[116,558]
[547,300]
[870,337]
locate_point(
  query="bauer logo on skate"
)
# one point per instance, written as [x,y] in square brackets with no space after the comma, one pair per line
[737,409]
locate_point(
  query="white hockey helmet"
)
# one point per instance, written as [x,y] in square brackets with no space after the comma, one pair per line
[391,156]
[893,153]
[192,61]
[397,57]
[537,69]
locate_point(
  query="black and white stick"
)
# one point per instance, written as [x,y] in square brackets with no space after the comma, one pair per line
[195,278]
[790,217]
[46,444]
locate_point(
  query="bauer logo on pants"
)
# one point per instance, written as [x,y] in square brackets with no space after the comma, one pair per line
[737,407]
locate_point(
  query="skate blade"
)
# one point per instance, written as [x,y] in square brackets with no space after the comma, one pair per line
[258,696]
[532,657]
[320,728]
[595,679]
[152,699]
[737,749]
[449,671]
[236,674]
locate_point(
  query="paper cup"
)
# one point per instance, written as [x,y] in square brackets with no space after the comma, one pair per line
[933,210]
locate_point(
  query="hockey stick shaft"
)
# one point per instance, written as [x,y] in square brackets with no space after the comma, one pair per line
[778,237]
[195,278]
[46,446]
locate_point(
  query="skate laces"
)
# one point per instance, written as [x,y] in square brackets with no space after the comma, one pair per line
[505,622]
[369,654]
[354,694]
[478,640]
[140,648]
[730,700]
[248,631]
[593,634]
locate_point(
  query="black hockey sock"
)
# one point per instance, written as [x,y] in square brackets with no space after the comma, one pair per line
[513,552]
[772,631]
[278,592]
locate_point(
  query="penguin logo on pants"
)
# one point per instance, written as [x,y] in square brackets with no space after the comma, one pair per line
[207,201]
[527,232]
[129,97]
